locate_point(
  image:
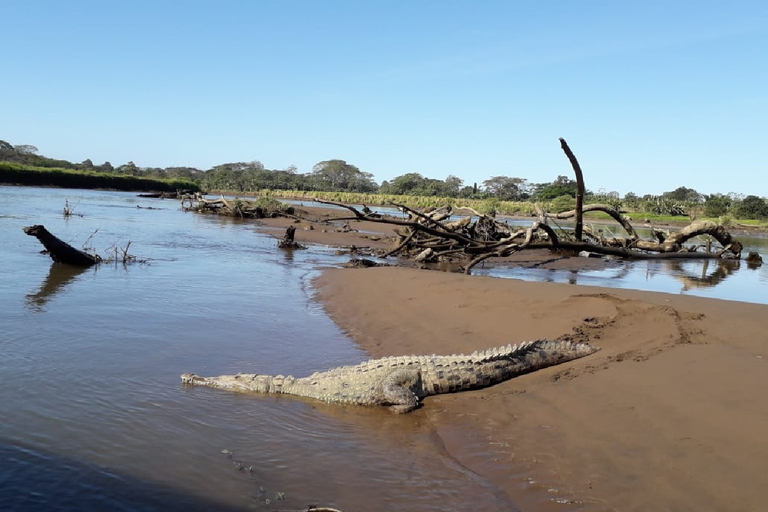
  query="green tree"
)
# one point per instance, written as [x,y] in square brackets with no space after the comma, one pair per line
[601,196]
[471,192]
[415,184]
[338,175]
[684,194]
[26,149]
[129,168]
[506,188]
[631,200]
[717,205]
[189,173]
[560,187]
[453,185]
[224,177]
[407,184]
[752,207]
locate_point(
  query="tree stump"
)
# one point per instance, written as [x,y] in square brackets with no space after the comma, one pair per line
[287,242]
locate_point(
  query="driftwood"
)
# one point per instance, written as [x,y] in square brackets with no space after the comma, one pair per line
[578,231]
[437,235]
[247,209]
[178,194]
[287,242]
[430,240]
[59,250]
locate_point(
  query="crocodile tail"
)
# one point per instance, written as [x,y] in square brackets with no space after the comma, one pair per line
[543,353]
[488,367]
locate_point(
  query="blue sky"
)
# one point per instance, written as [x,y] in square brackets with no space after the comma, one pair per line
[650,95]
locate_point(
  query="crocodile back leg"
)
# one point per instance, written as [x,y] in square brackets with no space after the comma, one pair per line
[398,387]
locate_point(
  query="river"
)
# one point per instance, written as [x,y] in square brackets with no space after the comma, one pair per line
[94,414]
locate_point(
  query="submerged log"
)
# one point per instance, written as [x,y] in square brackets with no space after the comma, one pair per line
[59,250]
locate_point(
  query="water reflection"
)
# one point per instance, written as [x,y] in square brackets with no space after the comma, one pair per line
[59,276]
[287,255]
[704,279]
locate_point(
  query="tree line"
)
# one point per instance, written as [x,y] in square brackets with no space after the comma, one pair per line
[339,176]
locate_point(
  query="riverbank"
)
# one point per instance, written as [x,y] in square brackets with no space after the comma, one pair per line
[671,414]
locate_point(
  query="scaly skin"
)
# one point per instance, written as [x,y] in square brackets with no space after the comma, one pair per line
[401,382]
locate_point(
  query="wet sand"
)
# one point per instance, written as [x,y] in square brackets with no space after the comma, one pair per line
[671,414]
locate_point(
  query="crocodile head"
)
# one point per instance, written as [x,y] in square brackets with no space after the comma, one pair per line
[191,378]
[240,382]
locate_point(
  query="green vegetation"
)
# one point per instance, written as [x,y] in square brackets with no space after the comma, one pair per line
[339,181]
[21,174]
[21,165]
[492,204]
[753,208]
[271,206]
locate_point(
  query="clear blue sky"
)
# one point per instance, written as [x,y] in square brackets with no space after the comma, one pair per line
[650,95]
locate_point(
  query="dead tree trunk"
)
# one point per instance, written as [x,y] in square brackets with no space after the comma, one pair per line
[59,250]
[579,229]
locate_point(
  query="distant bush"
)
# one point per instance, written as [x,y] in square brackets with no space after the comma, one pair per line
[717,205]
[21,174]
[752,207]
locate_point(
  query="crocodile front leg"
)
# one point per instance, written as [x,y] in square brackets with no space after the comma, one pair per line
[398,387]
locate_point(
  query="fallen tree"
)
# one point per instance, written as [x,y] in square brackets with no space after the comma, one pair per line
[59,250]
[471,237]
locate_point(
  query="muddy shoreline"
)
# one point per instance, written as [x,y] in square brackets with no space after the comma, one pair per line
[671,414]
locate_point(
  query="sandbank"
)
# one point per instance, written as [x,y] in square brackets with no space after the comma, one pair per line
[671,414]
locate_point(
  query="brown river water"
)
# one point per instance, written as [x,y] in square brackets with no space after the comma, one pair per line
[94,413]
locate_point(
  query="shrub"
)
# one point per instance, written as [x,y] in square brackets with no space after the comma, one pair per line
[752,207]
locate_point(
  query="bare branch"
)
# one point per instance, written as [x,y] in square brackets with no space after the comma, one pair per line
[579,186]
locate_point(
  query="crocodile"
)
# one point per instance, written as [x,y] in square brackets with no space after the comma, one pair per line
[402,382]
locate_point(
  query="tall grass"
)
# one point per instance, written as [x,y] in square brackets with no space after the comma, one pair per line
[492,205]
[417,202]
